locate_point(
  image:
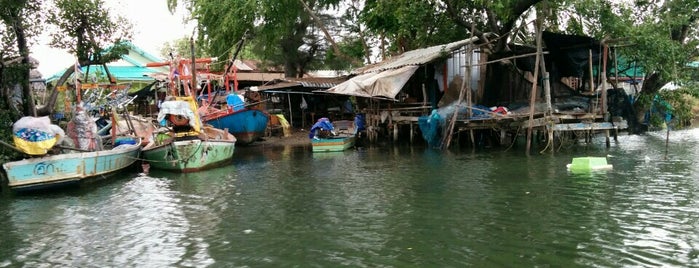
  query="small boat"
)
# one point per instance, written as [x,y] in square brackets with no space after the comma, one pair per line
[187,146]
[325,139]
[246,121]
[69,168]
[332,144]
[247,124]
[85,156]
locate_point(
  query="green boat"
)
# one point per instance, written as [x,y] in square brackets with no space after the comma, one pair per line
[191,155]
[332,144]
[185,145]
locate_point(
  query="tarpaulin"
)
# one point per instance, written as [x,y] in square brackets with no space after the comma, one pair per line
[384,84]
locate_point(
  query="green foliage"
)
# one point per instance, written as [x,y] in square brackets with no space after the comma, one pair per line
[182,47]
[9,77]
[86,29]
[14,13]
[351,47]
[683,101]
[279,30]
[6,120]
[409,24]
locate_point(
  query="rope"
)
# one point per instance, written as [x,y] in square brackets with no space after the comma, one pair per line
[513,142]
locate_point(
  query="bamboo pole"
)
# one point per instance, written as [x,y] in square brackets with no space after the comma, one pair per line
[592,81]
[547,92]
[194,69]
[532,100]
[603,81]
[465,85]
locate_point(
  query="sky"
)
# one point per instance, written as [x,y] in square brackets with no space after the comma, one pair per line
[153,25]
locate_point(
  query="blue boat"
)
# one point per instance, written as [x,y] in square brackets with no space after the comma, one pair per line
[69,168]
[247,124]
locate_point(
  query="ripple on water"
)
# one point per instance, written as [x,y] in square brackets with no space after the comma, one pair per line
[380,207]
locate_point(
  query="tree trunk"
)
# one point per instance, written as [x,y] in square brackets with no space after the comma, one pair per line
[28,101]
[651,85]
[47,109]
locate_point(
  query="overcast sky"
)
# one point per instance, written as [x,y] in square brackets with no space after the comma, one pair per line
[153,25]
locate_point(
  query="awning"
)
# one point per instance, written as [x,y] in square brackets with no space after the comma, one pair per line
[384,84]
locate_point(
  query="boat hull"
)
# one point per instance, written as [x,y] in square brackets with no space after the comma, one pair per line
[246,125]
[190,155]
[334,144]
[57,170]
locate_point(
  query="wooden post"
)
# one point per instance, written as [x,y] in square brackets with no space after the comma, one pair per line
[465,85]
[503,135]
[667,139]
[193,81]
[412,133]
[532,100]
[395,130]
[547,92]
[592,81]
[606,134]
[603,72]
[473,139]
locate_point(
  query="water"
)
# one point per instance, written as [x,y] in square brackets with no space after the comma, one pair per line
[380,207]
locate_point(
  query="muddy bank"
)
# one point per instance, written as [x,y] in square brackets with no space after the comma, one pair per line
[297,137]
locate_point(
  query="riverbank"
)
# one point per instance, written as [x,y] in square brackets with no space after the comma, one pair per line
[297,137]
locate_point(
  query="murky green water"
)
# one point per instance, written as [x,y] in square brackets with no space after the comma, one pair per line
[381,207]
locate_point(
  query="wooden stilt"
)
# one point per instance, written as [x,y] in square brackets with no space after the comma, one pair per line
[503,136]
[550,138]
[412,133]
[606,134]
[532,100]
[395,131]
[473,139]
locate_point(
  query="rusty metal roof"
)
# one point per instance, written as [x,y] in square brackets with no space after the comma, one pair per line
[415,57]
[312,83]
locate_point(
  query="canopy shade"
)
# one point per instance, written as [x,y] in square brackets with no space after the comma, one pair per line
[384,84]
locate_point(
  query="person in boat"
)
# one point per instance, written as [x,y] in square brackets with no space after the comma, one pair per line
[323,128]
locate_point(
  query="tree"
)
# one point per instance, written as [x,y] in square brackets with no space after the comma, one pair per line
[407,24]
[662,34]
[664,40]
[182,48]
[86,29]
[499,17]
[19,27]
[280,31]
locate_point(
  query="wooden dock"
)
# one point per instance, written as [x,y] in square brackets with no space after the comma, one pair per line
[564,125]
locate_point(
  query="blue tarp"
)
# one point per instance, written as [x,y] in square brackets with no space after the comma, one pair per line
[431,127]
[359,122]
[321,124]
[235,102]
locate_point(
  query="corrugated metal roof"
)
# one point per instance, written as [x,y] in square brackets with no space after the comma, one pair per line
[415,57]
[313,83]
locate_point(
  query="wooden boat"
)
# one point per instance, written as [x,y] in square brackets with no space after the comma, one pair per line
[187,146]
[332,144]
[247,125]
[246,121]
[69,168]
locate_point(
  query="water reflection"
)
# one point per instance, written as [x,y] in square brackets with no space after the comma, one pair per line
[382,206]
